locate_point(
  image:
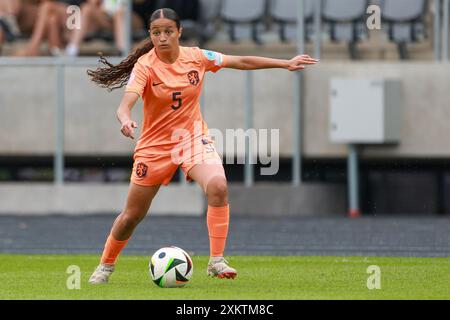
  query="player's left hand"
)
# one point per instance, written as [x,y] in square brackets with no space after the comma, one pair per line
[299,62]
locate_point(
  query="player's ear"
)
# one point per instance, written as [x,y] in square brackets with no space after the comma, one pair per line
[180,32]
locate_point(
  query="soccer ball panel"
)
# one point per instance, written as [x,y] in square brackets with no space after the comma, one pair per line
[170,267]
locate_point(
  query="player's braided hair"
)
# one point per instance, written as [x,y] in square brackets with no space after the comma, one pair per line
[116,76]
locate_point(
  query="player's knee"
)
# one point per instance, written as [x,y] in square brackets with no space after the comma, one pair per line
[217,188]
[130,219]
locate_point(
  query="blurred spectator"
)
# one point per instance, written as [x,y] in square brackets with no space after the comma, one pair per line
[9,10]
[9,28]
[17,18]
[51,24]
[45,20]
[27,16]
[102,15]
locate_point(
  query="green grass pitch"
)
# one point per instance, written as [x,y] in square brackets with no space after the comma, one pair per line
[260,277]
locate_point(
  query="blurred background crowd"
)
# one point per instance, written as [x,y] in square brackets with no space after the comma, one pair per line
[39,27]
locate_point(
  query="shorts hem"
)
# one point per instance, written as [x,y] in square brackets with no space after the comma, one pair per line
[143,184]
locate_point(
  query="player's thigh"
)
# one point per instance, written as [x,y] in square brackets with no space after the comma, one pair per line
[204,173]
[139,199]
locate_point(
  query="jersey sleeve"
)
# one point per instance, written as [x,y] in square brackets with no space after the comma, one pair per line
[138,79]
[213,61]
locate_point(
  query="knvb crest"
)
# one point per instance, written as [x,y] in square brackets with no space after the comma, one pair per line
[193,77]
[141,170]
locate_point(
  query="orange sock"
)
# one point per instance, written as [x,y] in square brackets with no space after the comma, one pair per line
[217,220]
[112,250]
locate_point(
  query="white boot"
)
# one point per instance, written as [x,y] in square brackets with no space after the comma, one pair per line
[218,267]
[101,274]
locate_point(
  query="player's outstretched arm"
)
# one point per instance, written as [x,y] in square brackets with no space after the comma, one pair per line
[124,114]
[255,63]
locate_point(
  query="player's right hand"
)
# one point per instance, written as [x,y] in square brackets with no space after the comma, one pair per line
[298,63]
[128,128]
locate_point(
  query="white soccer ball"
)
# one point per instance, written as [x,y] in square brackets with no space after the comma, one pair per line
[171,267]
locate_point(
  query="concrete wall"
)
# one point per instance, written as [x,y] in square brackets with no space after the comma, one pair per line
[80,198]
[27,109]
[282,200]
[425,108]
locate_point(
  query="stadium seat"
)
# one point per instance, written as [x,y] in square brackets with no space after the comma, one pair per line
[345,20]
[284,14]
[405,19]
[244,18]
[209,12]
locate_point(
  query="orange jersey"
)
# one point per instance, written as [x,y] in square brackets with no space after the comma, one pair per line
[171,96]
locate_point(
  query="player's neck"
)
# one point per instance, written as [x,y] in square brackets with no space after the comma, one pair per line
[169,57]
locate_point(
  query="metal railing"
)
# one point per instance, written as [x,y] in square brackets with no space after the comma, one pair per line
[445,35]
[441,29]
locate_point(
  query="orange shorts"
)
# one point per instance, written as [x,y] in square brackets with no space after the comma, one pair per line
[156,169]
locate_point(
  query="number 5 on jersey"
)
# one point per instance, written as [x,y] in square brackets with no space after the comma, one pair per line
[176,97]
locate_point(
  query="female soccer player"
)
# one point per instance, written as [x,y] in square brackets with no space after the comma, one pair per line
[169,79]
